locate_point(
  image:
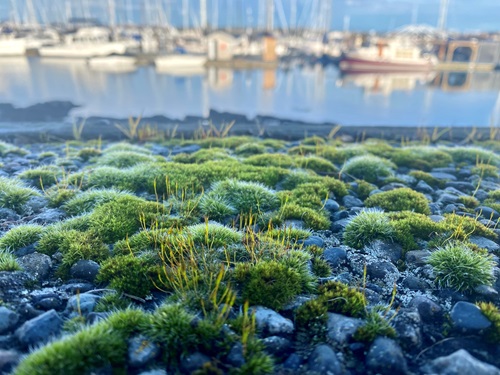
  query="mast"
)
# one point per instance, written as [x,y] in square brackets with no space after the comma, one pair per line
[270,15]
[203,15]
[293,14]
[443,14]
[15,12]
[185,14]
[112,13]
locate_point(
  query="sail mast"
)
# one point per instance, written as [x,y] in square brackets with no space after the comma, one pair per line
[203,15]
[270,15]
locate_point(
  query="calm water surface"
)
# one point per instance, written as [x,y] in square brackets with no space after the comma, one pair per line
[308,93]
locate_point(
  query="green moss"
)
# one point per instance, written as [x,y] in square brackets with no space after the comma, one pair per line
[14,194]
[213,235]
[20,236]
[375,326]
[312,218]
[468,202]
[340,298]
[249,149]
[124,159]
[366,227]
[42,177]
[111,302]
[410,226]
[288,234]
[216,207]
[87,153]
[127,147]
[404,199]
[462,227]
[203,155]
[314,140]
[363,189]
[320,267]
[57,196]
[428,178]
[128,274]
[472,155]
[8,262]
[275,144]
[491,312]
[7,148]
[310,319]
[316,164]
[268,283]
[457,266]
[275,160]
[224,142]
[421,158]
[86,201]
[368,167]
[485,170]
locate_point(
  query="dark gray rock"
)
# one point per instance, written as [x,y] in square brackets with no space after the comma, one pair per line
[459,363]
[481,194]
[417,257]
[468,317]
[429,311]
[53,302]
[8,360]
[487,292]
[235,356]
[30,249]
[349,201]
[40,329]
[443,176]
[463,186]
[189,149]
[415,283]
[85,270]
[154,372]
[270,323]
[445,199]
[389,250]
[393,186]
[141,351]
[6,214]
[36,264]
[408,326]
[49,216]
[193,362]
[386,357]
[314,241]
[485,243]
[379,270]
[36,204]
[335,256]
[339,225]
[323,360]
[81,304]
[487,212]
[8,319]
[277,346]
[12,284]
[424,187]
[331,205]
[293,362]
[340,328]
[450,208]
[344,214]
[436,218]
[75,287]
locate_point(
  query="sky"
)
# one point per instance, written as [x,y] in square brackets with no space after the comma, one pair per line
[356,15]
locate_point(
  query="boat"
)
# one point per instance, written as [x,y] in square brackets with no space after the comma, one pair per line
[11,46]
[387,57]
[88,42]
[113,63]
[180,63]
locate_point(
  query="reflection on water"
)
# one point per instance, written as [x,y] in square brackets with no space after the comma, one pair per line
[307,93]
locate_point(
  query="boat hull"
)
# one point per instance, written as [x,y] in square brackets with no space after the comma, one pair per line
[183,62]
[359,65]
[12,47]
[82,51]
[119,64]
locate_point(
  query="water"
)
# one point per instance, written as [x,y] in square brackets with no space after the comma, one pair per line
[307,93]
[358,15]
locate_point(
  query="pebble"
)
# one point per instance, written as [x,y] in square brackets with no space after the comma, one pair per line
[349,201]
[193,362]
[40,329]
[8,319]
[335,256]
[36,264]
[468,317]
[459,363]
[86,270]
[81,304]
[331,205]
[340,328]
[429,311]
[141,351]
[385,357]
[270,323]
[324,361]
[379,270]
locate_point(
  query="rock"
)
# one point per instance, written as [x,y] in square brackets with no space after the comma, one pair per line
[344,214]
[424,187]
[485,243]
[417,257]
[314,241]
[277,346]
[459,363]
[443,176]
[30,249]
[81,304]
[6,214]
[235,356]
[189,149]
[379,270]
[293,362]
[85,270]
[446,198]
[429,311]
[8,360]
[468,317]
[386,357]
[154,372]
[349,201]
[324,361]
[462,186]
[339,225]
[49,216]
[389,250]
[270,323]
[193,362]
[13,284]
[331,205]
[415,283]
[53,302]
[487,212]
[8,319]
[141,351]
[449,209]
[73,288]
[335,256]
[487,292]
[408,325]
[393,186]
[36,205]
[436,218]
[36,264]
[40,329]
[341,328]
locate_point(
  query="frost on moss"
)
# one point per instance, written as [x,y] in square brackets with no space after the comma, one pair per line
[14,194]
[20,236]
[366,227]
[404,199]
[368,167]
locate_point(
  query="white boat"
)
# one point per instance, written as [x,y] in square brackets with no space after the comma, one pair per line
[88,42]
[387,57]
[10,46]
[179,63]
[113,63]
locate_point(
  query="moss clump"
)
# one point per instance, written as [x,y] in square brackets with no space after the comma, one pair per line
[341,299]
[124,159]
[312,218]
[316,164]
[7,148]
[468,201]
[288,234]
[320,267]
[368,167]
[126,147]
[275,160]
[249,149]
[268,283]
[203,155]
[86,201]
[485,170]
[460,227]
[366,227]
[421,158]
[8,262]
[213,235]
[410,226]
[310,319]
[128,274]
[216,207]
[363,189]
[20,236]
[491,312]
[457,266]
[111,301]
[14,194]
[123,217]
[404,199]
[43,177]
[375,325]
[472,155]
[57,196]
[87,153]
[427,178]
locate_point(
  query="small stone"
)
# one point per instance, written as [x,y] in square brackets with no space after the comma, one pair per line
[335,256]
[429,311]
[341,328]
[424,187]
[485,243]
[194,362]
[392,186]
[73,288]
[408,326]
[417,257]
[185,149]
[141,350]
[379,270]
[468,317]
[445,199]
[49,303]
[487,212]
[331,205]
[349,201]
[293,362]
[81,304]
[49,216]
[463,186]
[459,363]
[8,360]
[154,372]
[487,292]
[7,214]
[36,264]
[449,209]
[8,319]
[30,249]
[277,346]
[314,241]
[270,323]
[85,270]
[40,329]
[443,176]
[323,360]
[235,356]
[414,283]
[339,225]
[386,357]
[436,218]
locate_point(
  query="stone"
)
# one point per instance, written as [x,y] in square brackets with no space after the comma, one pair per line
[6,214]
[40,329]
[154,372]
[443,176]
[30,249]
[340,328]
[85,270]
[436,218]
[313,241]
[349,201]
[52,302]
[8,319]
[485,243]
[429,311]
[270,323]
[74,287]
[379,270]
[36,204]
[386,357]
[8,360]
[390,250]
[339,225]
[193,362]
[467,317]
[331,205]
[424,187]
[459,363]
[277,346]
[449,209]
[189,149]
[36,264]
[335,256]
[487,292]
[344,214]
[81,304]
[446,198]
[408,326]
[415,283]
[141,351]
[392,186]
[487,212]
[417,257]
[323,360]
[235,356]
[48,216]
[13,284]
[293,362]
[463,186]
